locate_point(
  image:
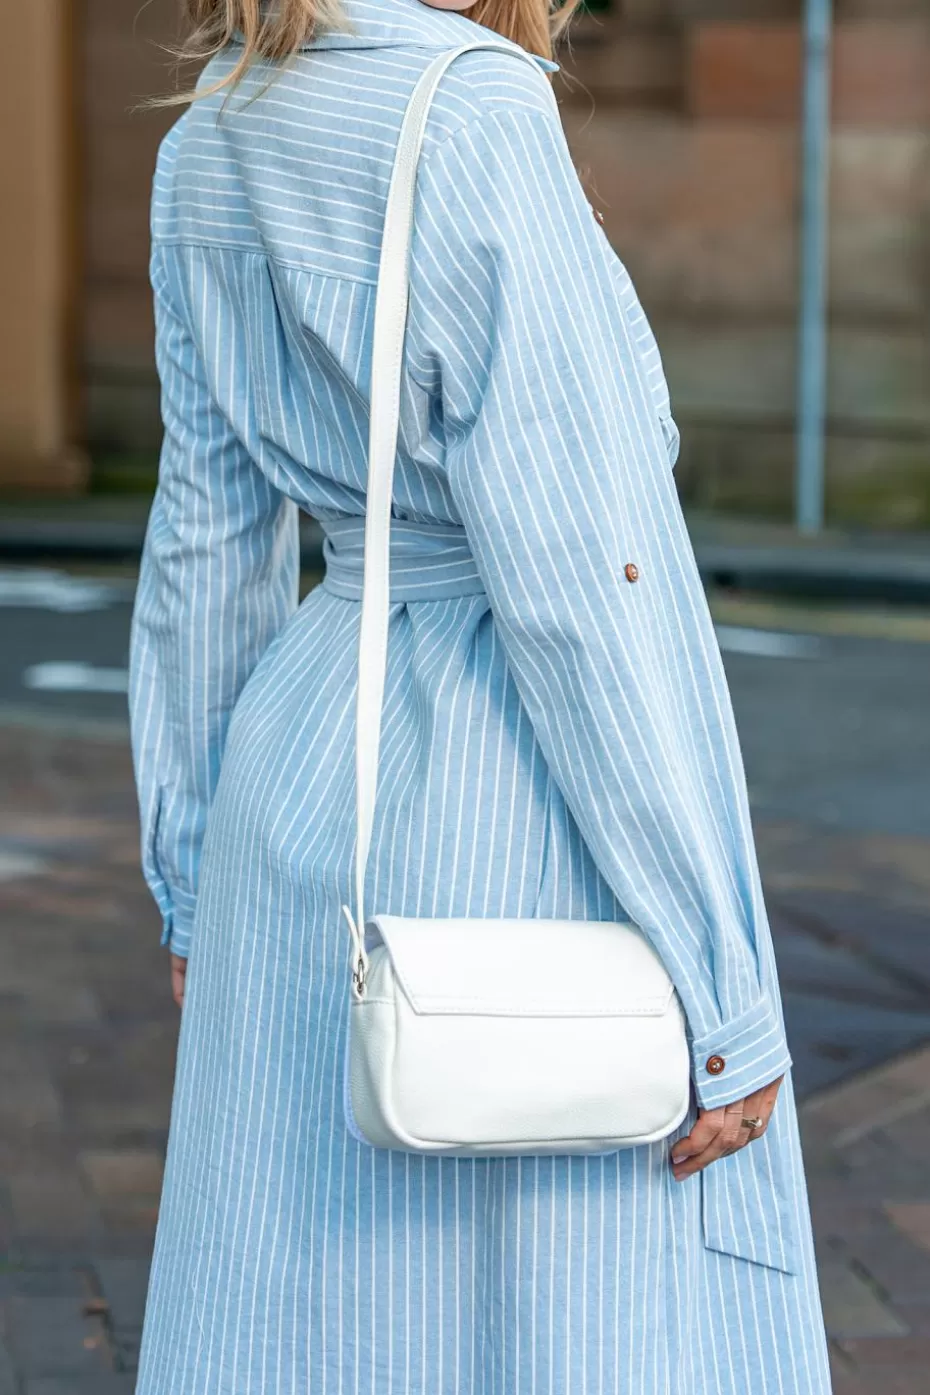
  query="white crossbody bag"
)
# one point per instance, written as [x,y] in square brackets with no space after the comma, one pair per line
[477,1037]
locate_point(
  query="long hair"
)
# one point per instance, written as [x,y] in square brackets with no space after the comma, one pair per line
[277,31]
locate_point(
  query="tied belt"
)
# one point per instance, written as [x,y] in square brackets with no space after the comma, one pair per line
[429,561]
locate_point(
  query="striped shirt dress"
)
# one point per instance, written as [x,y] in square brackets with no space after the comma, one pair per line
[557,742]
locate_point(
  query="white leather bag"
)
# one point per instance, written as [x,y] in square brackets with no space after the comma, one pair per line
[474,1037]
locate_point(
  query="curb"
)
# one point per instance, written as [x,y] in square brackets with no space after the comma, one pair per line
[68,727]
[106,541]
[70,540]
[835,573]
[840,572]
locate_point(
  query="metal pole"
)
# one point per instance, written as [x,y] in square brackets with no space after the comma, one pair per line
[812,340]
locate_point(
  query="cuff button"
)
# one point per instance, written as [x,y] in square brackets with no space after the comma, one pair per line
[716,1065]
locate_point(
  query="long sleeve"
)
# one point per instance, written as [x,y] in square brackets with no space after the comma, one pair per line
[218,580]
[557,453]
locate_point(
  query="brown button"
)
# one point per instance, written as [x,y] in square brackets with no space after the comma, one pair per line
[716,1065]
[631,571]
[598,214]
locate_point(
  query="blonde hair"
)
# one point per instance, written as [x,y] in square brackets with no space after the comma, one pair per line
[276,32]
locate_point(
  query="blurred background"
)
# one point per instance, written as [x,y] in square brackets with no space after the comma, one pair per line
[763,168]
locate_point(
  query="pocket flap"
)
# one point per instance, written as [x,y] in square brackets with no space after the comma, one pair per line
[524,968]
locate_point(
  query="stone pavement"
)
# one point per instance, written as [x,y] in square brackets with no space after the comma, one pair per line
[867,1146]
[87,1035]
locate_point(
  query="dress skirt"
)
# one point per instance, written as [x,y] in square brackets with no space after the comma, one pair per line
[291,1258]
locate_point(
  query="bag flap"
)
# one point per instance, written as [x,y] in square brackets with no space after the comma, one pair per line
[525,968]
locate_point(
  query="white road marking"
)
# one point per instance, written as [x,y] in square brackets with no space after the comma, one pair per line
[14,865]
[767,644]
[76,678]
[84,678]
[64,677]
[39,589]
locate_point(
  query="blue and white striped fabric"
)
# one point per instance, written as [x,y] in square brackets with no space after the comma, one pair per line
[558,741]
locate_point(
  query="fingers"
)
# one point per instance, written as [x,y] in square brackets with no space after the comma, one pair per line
[720,1132]
[708,1126]
[717,1133]
[761,1105]
[178,979]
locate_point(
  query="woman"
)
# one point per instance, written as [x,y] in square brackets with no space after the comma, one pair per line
[557,742]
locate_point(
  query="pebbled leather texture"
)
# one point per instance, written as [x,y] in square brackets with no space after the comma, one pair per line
[483,1037]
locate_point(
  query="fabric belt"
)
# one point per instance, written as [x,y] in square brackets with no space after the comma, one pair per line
[429,561]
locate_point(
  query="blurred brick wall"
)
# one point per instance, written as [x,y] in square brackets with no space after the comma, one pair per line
[122,62]
[685,113]
[38,258]
[700,193]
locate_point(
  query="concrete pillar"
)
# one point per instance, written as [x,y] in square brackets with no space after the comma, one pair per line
[38,249]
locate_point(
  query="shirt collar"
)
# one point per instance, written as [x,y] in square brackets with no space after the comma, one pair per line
[412,24]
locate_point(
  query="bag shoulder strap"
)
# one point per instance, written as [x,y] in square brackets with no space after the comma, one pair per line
[391,305]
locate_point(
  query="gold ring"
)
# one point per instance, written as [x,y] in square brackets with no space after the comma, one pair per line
[752,1123]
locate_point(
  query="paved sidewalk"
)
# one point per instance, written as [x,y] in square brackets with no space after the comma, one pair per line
[867,1146]
[749,554]
[87,1034]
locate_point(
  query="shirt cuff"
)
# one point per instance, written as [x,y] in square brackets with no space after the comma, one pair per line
[740,1057]
[178,926]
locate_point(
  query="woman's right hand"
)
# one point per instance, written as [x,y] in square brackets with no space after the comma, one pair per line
[178,978]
